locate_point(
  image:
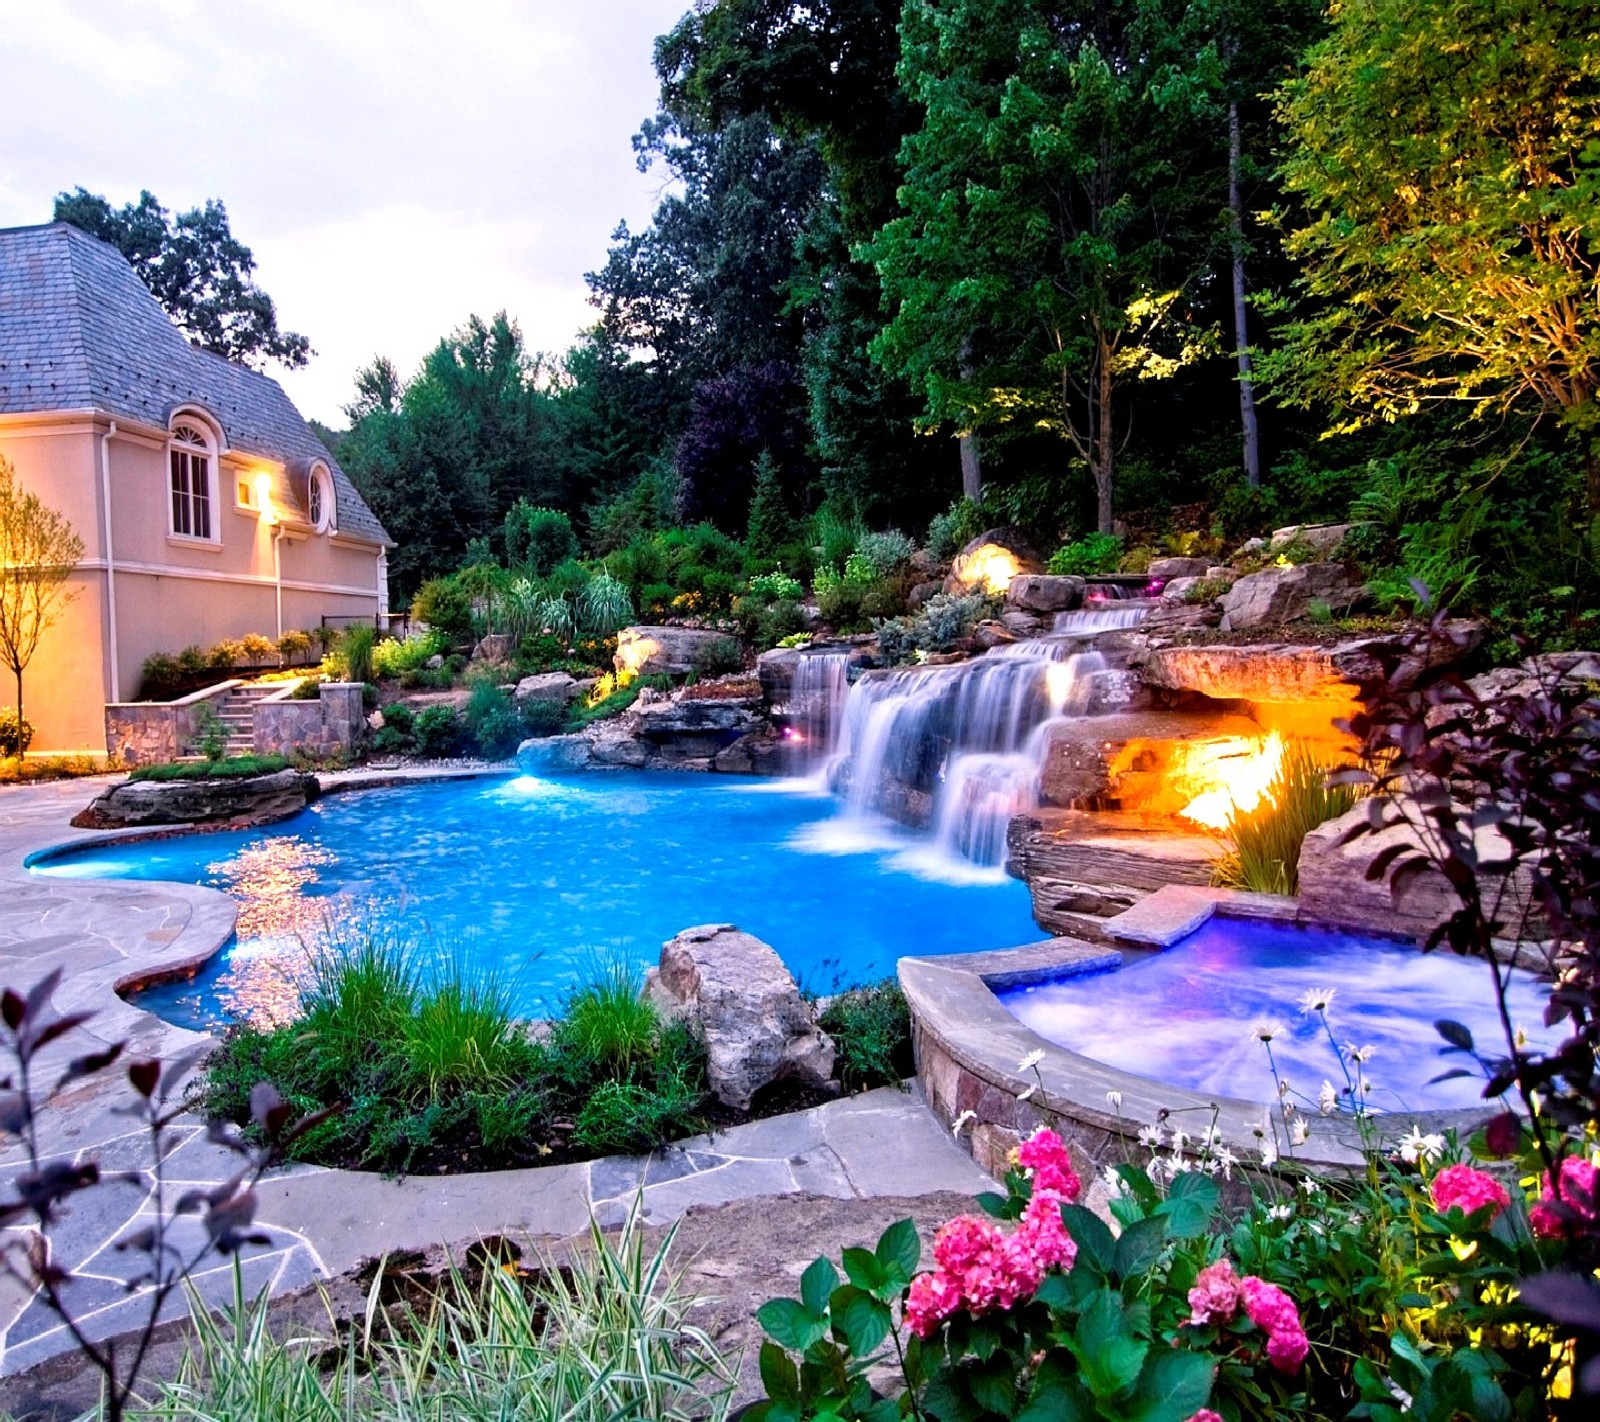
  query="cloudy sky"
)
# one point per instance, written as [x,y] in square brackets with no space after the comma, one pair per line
[395,165]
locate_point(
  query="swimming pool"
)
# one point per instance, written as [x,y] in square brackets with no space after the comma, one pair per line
[546,879]
[1186,1016]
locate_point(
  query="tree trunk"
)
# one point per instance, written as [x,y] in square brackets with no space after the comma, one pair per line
[971,468]
[1104,446]
[1241,334]
[20,736]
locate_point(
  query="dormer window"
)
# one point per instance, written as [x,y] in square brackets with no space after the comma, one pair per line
[319,498]
[191,462]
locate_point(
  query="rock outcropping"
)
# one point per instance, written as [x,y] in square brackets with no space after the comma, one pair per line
[735,990]
[248,800]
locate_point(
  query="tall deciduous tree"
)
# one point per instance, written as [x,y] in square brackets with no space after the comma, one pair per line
[1448,154]
[1061,203]
[198,270]
[38,551]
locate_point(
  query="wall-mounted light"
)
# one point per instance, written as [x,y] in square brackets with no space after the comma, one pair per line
[264,498]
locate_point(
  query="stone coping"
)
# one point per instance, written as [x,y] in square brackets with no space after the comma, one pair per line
[969,1049]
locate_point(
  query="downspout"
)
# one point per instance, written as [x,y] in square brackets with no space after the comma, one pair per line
[277,574]
[111,566]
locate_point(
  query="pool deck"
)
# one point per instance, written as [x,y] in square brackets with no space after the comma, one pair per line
[104,934]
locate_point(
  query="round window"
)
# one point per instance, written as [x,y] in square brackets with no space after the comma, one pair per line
[319,499]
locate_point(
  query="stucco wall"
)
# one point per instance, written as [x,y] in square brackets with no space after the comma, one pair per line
[170,592]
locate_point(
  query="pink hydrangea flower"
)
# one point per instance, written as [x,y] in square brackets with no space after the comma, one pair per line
[964,1243]
[1575,1190]
[1044,1154]
[1275,1314]
[1215,1296]
[1043,1233]
[1461,1187]
[1205,1414]
[933,1298]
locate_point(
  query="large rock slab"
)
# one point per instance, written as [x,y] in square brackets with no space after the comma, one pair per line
[669,651]
[1278,595]
[1045,592]
[1168,568]
[1324,537]
[548,686]
[1104,760]
[678,717]
[737,992]
[250,800]
[1278,671]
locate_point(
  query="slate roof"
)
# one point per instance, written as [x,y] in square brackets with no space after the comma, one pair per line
[79,330]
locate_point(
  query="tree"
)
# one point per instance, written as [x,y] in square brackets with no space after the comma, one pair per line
[198,270]
[1061,206]
[771,525]
[38,551]
[1445,151]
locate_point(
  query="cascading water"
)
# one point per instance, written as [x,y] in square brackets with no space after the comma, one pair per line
[816,706]
[959,748]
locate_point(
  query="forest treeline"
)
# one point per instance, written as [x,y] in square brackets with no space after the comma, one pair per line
[1171,268]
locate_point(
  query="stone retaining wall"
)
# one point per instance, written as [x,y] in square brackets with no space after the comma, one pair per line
[155,732]
[329,726]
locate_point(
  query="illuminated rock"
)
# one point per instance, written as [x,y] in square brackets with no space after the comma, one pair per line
[550,686]
[668,651]
[991,561]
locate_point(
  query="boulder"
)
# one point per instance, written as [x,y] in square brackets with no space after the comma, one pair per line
[1563,671]
[921,592]
[1124,758]
[1278,595]
[249,800]
[436,661]
[737,993]
[1324,537]
[755,753]
[1021,624]
[676,716]
[1278,672]
[1045,593]
[496,647]
[991,560]
[1222,573]
[668,651]
[549,686]
[1168,568]
[1177,589]
[990,633]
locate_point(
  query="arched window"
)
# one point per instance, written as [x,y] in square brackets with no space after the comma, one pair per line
[190,460]
[319,498]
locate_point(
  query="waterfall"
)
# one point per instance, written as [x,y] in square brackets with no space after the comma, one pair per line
[956,749]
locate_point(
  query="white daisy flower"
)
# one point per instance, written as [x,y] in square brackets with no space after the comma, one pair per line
[1281,1213]
[1327,1099]
[1316,1000]
[1266,1029]
[1029,1062]
[962,1121]
[1298,1131]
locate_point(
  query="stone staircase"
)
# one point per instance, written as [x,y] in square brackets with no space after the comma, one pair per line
[235,709]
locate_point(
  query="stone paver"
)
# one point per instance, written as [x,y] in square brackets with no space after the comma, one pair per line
[107,935]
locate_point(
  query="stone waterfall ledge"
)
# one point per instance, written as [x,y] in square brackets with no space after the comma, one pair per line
[968,1048]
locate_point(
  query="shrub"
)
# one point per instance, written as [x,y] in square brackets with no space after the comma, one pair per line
[445,606]
[294,644]
[885,552]
[718,656]
[604,606]
[210,735]
[838,601]
[390,657]
[645,508]
[193,659]
[538,538]
[859,571]
[833,536]
[1093,554]
[871,1030]
[897,644]
[610,1021]
[238,767]
[1138,560]
[159,674]
[1265,842]
[544,716]
[15,736]
[258,649]
[777,622]
[492,721]
[437,731]
[775,586]
[352,653]
[946,618]
[227,654]
[955,528]
[884,598]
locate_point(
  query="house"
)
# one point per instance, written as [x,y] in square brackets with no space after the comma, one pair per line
[207,507]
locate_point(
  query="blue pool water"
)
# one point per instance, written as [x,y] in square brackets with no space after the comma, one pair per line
[546,879]
[1185,1015]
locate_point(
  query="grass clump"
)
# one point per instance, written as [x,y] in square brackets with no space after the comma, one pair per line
[427,1069]
[871,1031]
[238,767]
[1264,843]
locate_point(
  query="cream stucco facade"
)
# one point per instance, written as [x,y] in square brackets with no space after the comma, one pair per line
[142,589]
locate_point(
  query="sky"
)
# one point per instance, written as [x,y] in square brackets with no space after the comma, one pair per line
[394,165]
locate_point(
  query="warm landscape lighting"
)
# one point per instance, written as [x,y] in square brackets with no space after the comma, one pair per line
[263,483]
[1227,776]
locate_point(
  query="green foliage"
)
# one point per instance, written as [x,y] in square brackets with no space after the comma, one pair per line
[429,1069]
[646,507]
[444,607]
[939,625]
[225,655]
[1432,143]
[719,656]
[774,587]
[884,553]
[492,720]
[15,735]
[1096,553]
[604,606]
[544,716]
[352,653]
[834,536]
[1264,852]
[235,767]
[871,1030]
[437,731]
[391,658]
[209,733]
[538,539]
[956,527]
[771,525]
